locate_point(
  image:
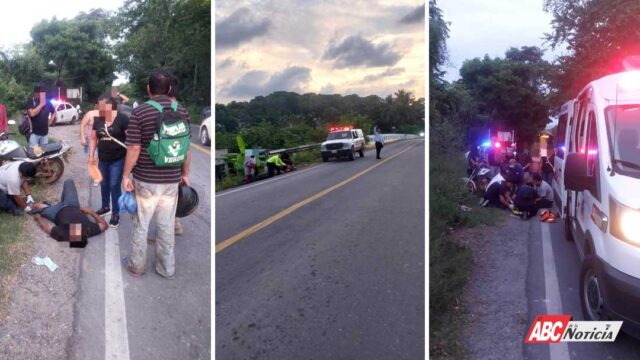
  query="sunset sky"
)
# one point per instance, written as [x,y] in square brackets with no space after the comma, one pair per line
[329,47]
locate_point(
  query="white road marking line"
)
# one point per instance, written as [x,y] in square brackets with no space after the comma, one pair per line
[552,291]
[271,180]
[116,344]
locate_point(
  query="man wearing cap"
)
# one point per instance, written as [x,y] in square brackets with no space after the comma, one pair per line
[42,114]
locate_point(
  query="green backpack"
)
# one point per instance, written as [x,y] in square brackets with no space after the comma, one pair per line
[170,143]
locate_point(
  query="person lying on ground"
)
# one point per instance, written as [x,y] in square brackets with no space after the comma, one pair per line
[13,177]
[70,222]
[545,192]
[498,195]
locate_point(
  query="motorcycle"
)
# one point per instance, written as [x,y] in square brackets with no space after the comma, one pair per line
[48,158]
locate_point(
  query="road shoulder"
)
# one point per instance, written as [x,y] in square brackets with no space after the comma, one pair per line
[494,300]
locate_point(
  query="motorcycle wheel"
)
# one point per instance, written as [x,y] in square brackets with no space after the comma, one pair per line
[57,169]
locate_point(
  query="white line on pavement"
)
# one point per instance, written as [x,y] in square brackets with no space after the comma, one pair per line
[116,343]
[286,176]
[558,351]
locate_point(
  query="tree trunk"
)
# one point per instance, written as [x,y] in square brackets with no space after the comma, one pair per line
[195,81]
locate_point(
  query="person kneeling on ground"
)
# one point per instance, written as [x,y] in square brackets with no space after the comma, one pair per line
[498,194]
[274,164]
[72,223]
[545,192]
[13,177]
[525,202]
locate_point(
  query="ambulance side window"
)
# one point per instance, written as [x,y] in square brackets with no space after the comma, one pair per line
[562,131]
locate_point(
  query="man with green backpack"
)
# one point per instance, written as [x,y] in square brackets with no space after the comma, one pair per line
[158,156]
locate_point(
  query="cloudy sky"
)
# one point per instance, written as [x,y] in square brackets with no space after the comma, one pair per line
[491,27]
[328,47]
[19,17]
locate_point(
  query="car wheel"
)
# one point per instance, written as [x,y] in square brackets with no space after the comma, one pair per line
[204,137]
[74,119]
[325,159]
[591,296]
[351,157]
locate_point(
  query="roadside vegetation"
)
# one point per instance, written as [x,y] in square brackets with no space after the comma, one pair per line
[99,43]
[14,243]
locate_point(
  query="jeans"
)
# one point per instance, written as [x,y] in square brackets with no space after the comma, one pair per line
[38,140]
[110,186]
[547,177]
[69,198]
[272,169]
[161,200]
[6,202]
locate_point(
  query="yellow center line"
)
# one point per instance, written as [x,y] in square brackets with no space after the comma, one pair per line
[261,225]
[204,150]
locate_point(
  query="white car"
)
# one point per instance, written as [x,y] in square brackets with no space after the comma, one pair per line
[65,112]
[205,132]
[343,141]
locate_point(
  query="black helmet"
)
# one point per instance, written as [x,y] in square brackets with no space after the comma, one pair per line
[187,201]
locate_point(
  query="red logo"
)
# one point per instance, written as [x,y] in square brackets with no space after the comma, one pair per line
[547,329]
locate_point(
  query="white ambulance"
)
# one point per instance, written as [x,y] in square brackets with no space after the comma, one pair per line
[598,182]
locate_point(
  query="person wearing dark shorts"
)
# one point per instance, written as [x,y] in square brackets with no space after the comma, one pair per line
[72,223]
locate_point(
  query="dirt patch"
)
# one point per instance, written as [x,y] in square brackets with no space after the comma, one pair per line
[39,316]
[495,298]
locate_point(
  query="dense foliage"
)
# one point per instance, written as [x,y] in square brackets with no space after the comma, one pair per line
[85,51]
[286,119]
[598,34]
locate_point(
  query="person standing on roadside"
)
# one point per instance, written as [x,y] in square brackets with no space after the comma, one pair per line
[108,135]
[377,137]
[173,92]
[42,115]
[156,187]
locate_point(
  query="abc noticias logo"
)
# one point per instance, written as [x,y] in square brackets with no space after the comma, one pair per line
[549,329]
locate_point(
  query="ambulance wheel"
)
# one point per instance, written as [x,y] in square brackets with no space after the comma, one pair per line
[591,298]
[351,157]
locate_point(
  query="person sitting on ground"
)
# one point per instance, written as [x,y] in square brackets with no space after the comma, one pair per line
[70,222]
[498,194]
[274,163]
[524,204]
[545,192]
[13,177]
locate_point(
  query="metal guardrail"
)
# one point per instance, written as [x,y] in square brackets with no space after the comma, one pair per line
[295,149]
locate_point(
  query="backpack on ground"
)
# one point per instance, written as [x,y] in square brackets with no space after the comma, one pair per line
[170,143]
[24,125]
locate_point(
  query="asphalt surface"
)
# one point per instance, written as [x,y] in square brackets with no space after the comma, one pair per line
[567,270]
[165,319]
[341,277]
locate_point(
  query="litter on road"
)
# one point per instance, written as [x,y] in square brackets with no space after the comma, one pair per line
[46,261]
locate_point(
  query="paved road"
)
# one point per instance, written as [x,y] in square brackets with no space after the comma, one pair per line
[559,290]
[341,277]
[119,316]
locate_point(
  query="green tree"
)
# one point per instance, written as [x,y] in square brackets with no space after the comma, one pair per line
[598,34]
[78,50]
[173,35]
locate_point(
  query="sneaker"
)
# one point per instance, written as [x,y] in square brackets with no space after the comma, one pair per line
[484,203]
[104,211]
[115,220]
[130,269]
[516,212]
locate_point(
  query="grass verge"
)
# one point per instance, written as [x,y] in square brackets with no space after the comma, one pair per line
[14,244]
[449,262]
